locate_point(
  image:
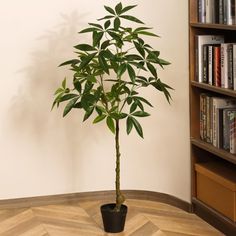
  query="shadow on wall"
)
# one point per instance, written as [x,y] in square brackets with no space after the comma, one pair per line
[29,115]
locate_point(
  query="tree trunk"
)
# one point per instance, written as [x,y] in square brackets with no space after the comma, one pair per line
[119,197]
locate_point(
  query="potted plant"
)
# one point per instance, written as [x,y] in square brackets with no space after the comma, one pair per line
[108,75]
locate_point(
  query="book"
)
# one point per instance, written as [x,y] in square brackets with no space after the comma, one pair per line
[234,66]
[225,128]
[203,116]
[232,125]
[221,11]
[201,11]
[210,64]
[219,103]
[209,119]
[224,65]
[200,41]
[230,65]
[229,15]
[210,11]
[217,65]
[205,63]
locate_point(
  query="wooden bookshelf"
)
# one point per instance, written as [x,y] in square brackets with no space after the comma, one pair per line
[202,152]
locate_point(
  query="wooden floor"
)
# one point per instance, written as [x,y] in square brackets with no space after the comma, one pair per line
[145,218]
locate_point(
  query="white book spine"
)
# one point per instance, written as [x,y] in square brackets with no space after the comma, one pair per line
[234,66]
[210,64]
[224,65]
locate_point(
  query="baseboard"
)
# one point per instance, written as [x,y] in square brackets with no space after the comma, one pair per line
[92,196]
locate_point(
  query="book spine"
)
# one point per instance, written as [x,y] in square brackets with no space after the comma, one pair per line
[220,125]
[205,63]
[221,12]
[216,12]
[210,64]
[225,9]
[224,67]
[226,129]
[210,6]
[208,119]
[232,126]
[217,66]
[214,123]
[201,11]
[202,97]
[197,60]
[230,65]
[234,66]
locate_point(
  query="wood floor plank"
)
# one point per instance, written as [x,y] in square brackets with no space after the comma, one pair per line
[145,218]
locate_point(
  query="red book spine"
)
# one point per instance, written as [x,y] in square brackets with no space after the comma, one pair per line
[217,67]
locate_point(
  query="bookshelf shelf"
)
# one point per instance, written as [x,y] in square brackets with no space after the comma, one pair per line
[203,152]
[223,91]
[216,151]
[213,26]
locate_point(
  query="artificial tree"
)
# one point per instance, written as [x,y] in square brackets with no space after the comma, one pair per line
[109,73]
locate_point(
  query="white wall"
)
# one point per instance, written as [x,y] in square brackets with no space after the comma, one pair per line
[43,153]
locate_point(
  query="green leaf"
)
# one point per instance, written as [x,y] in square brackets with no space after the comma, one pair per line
[86,60]
[91,29]
[59,90]
[97,36]
[100,110]
[129,125]
[143,100]
[133,107]
[110,10]
[140,114]
[125,9]
[107,24]
[105,44]
[147,33]
[163,62]
[131,18]
[106,17]
[131,73]
[96,25]
[103,63]
[137,126]
[133,57]
[77,85]
[69,106]
[139,49]
[121,70]
[74,61]
[99,118]
[87,100]
[85,47]
[116,23]
[63,84]
[88,113]
[110,124]
[152,69]
[115,37]
[118,8]
[138,65]
[68,97]
[141,29]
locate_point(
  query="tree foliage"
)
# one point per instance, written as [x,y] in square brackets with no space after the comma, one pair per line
[110,71]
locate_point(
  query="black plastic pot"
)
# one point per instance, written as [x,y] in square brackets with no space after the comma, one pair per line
[113,221]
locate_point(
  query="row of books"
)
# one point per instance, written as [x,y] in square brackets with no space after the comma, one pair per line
[217,11]
[218,121]
[215,61]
